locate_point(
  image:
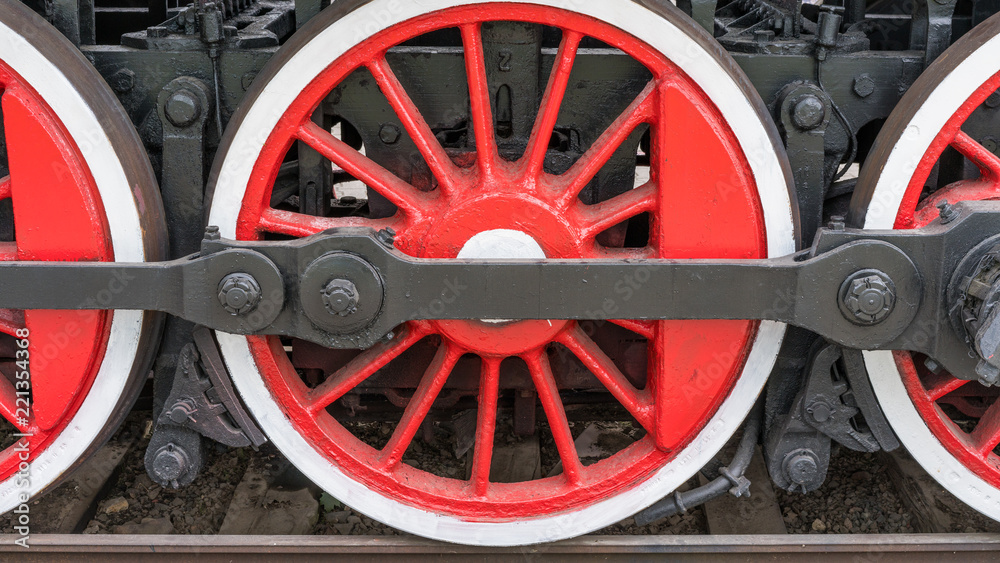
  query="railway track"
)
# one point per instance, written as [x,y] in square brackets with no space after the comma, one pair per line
[848,547]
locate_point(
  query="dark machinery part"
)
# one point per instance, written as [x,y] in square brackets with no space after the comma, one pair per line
[203,400]
[977,308]
[835,403]
[730,479]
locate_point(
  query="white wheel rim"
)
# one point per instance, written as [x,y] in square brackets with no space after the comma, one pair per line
[886,379]
[127,243]
[754,140]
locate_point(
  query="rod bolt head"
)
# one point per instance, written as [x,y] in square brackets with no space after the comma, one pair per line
[239,293]
[171,462]
[869,298]
[340,297]
[183,108]
[808,112]
[801,467]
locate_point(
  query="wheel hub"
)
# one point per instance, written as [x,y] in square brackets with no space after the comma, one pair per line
[488,221]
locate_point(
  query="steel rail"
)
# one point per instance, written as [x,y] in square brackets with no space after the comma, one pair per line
[248,549]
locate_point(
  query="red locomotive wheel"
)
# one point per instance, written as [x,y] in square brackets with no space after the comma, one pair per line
[949,424]
[713,155]
[77,188]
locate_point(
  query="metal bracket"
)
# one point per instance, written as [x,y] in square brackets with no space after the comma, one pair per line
[931,27]
[202,398]
[804,113]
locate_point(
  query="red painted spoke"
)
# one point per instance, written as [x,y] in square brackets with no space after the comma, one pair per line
[11,320]
[987,162]
[420,404]
[9,405]
[942,385]
[551,102]
[637,402]
[5,187]
[986,435]
[548,395]
[279,221]
[602,216]
[642,328]
[440,164]
[486,421]
[8,250]
[408,199]
[641,110]
[364,365]
[479,97]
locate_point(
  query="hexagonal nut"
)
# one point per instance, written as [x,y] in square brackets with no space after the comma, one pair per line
[239,293]
[122,81]
[870,299]
[340,297]
[864,85]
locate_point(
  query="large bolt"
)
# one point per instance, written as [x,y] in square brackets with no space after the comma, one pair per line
[340,297]
[808,112]
[864,85]
[182,410]
[389,133]
[183,108]
[801,467]
[869,299]
[820,411]
[239,293]
[171,462]
[122,81]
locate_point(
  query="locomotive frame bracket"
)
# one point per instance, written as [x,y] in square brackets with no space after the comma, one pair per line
[348,288]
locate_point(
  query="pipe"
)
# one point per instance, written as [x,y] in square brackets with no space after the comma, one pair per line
[731,478]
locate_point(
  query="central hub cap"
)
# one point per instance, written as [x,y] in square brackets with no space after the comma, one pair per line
[501,244]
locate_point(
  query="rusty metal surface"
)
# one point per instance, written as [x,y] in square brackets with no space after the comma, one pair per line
[860,547]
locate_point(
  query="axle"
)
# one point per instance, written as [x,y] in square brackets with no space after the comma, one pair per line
[348,288]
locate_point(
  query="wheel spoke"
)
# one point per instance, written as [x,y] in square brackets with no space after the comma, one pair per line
[11,320]
[479,97]
[569,185]
[548,395]
[986,435]
[8,405]
[637,402]
[364,365]
[987,162]
[279,221]
[606,214]
[416,126]
[408,199]
[942,385]
[551,102]
[5,187]
[644,329]
[486,421]
[420,404]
